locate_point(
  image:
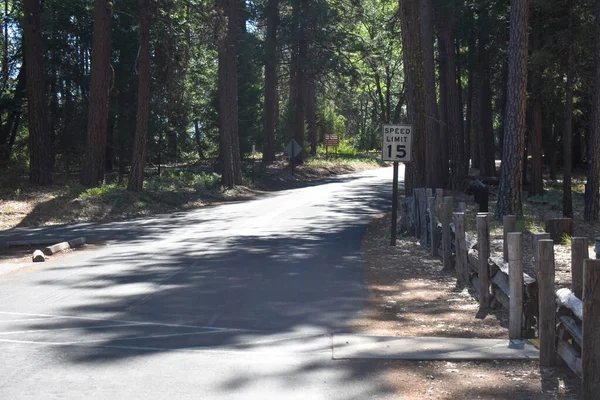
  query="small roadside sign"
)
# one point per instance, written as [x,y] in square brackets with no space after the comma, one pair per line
[292,149]
[332,141]
[397,143]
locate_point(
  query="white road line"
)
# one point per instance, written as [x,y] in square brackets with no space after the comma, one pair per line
[29,319]
[136,322]
[166,349]
[68,329]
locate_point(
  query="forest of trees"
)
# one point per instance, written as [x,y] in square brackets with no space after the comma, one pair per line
[99,86]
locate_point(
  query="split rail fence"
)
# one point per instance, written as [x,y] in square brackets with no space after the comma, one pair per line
[567,321]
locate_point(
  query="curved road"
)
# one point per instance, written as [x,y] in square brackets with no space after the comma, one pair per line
[237,301]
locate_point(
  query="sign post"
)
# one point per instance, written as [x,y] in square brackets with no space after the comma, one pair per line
[292,150]
[396,147]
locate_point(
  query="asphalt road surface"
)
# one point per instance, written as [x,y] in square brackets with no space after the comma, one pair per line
[237,301]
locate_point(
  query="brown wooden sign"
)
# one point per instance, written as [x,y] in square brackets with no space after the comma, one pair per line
[332,141]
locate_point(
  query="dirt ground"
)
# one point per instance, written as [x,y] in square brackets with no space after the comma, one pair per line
[412,296]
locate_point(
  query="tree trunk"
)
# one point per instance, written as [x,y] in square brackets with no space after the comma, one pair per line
[455,134]
[444,141]
[92,173]
[40,166]
[592,188]
[413,72]
[510,195]
[536,186]
[270,102]
[432,128]
[471,55]
[475,115]
[300,55]
[486,125]
[136,175]
[228,105]
[461,117]
[568,132]
[311,111]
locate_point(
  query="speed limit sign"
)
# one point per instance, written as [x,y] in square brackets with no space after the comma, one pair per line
[397,141]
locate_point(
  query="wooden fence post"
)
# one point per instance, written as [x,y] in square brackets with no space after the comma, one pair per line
[515,279]
[535,238]
[450,200]
[439,199]
[590,352]
[579,252]
[510,225]
[446,236]
[483,246]
[460,247]
[547,304]
[435,238]
[423,215]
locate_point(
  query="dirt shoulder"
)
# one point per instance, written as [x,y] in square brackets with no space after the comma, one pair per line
[411,296]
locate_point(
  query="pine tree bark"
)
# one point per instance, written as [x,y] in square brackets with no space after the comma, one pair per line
[536,186]
[136,175]
[455,133]
[311,111]
[486,125]
[444,140]
[510,195]
[228,102]
[413,71]
[432,128]
[471,62]
[92,173]
[40,151]
[475,124]
[300,54]
[270,97]
[592,188]
[568,132]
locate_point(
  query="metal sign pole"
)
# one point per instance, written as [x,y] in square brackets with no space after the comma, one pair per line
[394,204]
[293,157]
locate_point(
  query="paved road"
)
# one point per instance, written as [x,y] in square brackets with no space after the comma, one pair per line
[231,302]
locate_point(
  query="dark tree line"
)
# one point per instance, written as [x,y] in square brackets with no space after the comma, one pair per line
[120,86]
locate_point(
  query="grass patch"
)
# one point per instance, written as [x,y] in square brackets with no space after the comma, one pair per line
[360,162]
[552,197]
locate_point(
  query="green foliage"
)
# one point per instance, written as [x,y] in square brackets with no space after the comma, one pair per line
[183,181]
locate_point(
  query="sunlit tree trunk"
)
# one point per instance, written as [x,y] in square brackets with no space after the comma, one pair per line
[92,173]
[413,72]
[453,114]
[136,176]
[511,178]
[228,105]
[432,128]
[270,101]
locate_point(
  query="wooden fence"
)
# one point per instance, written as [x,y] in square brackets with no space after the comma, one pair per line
[567,321]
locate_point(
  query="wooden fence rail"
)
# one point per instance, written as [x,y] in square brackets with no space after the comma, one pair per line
[567,321]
